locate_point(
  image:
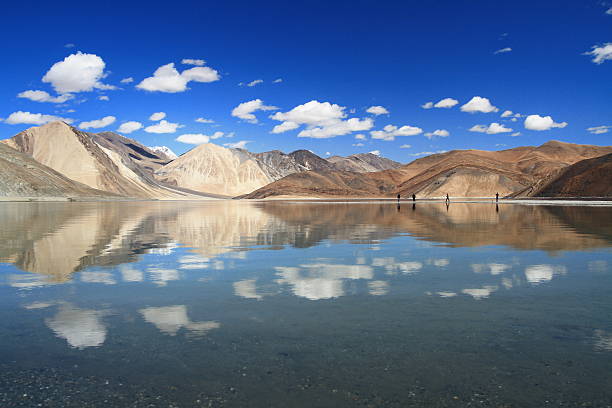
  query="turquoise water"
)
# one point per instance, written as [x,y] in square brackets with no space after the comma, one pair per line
[305,304]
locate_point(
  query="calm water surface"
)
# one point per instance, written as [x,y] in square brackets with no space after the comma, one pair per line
[290,304]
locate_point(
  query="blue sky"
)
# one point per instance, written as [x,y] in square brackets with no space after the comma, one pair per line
[335,60]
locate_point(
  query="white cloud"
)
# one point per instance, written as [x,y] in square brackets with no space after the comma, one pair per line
[218,135]
[427,105]
[598,130]
[20,117]
[438,133]
[389,132]
[375,152]
[204,120]
[506,113]
[127,80]
[377,110]
[129,127]
[245,110]
[77,73]
[322,119]
[601,54]
[167,79]
[189,61]
[405,146]
[358,144]
[98,123]
[361,136]
[446,103]
[427,153]
[163,127]
[479,104]
[277,81]
[493,129]
[42,96]
[237,145]
[537,122]
[609,11]
[103,98]
[503,50]
[255,82]
[516,134]
[193,138]
[157,116]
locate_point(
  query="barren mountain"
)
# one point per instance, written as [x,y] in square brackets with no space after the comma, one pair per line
[107,162]
[165,151]
[22,176]
[587,178]
[137,156]
[363,163]
[460,173]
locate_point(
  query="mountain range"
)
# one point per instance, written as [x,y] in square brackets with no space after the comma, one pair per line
[58,160]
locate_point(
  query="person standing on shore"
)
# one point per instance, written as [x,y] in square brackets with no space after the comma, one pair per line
[447,199]
[398,198]
[413,197]
[496,197]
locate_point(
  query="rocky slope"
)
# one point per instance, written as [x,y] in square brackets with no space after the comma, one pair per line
[587,178]
[106,161]
[22,176]
[461,173]
[363,163]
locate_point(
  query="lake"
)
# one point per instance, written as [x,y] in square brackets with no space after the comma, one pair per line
[305,304]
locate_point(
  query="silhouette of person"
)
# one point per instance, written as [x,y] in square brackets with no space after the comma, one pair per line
[413,197]
[398,198]
[447,199]
[496,197]
[413,206]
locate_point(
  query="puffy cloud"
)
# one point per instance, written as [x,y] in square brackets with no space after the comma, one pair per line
[537,122]
[157,116]
[503,50]
[361,136]
[237,145]
[277,81]
[129,127]
[42,96]
[405,146]
[446,103]
[437,133]
[193,138]
[598,130]
[189,61]
[255,82]
[377,110]
[218,135]
[103,98]
[428,153]
[245,110]
[77,73]
[601,54]
[127,80]
[167,79]
[20,117]
[506,113]
[375,152]
[98,123]
[479,104]
[204,120]
[427,105]
[493,129]
[516,134]
[389,132]
[163,127]
[322,119]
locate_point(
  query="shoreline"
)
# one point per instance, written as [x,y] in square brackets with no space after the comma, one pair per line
[591,201]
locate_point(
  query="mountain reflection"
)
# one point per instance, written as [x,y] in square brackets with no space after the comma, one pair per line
[58,239]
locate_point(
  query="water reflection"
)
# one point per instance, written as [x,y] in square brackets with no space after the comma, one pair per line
[171,319]
[81,328]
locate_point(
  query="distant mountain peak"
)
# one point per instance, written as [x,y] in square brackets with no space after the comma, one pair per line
[164,150]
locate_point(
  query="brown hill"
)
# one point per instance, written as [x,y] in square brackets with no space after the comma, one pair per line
[106,162]
[587,178]
[22,176]
[363,163]
[460,173]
